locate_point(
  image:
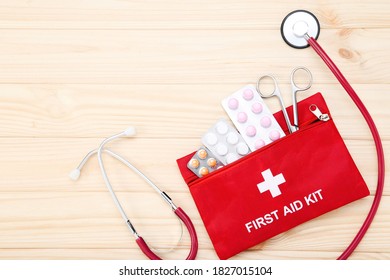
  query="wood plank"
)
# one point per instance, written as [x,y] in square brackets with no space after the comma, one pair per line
[161,111]
[90,221]
[182,56]
[42,165]
[204,254]
[73,72]
[175,14]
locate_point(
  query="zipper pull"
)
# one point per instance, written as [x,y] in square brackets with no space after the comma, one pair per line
[322,117]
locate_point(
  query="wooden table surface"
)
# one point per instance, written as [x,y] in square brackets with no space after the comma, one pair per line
[73,72]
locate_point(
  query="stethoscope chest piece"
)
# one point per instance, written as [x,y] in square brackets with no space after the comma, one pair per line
[298,24]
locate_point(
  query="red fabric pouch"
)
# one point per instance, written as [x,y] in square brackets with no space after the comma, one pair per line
[292,180]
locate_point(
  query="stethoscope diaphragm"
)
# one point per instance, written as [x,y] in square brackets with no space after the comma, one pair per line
[298,24]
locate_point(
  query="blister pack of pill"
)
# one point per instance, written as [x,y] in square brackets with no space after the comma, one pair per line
[225,142]
[203,162]
[252,117]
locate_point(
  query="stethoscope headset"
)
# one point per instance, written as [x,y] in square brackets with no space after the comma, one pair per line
[299,29]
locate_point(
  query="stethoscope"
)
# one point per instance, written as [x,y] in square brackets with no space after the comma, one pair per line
[301,29]
[75,174]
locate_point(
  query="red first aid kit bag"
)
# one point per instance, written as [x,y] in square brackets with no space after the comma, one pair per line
[271,190]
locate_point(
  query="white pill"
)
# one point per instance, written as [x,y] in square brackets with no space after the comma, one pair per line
[222,128]
[211,138]
[231,157]
[221,149]
[232,138]
[242,149]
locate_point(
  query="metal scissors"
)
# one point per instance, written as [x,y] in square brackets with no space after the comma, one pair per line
[295,88]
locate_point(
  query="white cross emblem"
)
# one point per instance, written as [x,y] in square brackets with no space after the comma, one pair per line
[271,183]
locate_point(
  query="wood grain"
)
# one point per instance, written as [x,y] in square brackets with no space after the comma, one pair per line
[187,15]
[204,254]
[179,56]
[69,110]
[71,224]
[73,72]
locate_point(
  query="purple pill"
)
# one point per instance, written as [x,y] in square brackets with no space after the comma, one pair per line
[242,117]
[233,103]
[257,108]
[247,94]
[274,135]
[266,122]
[251,131]
[259,144]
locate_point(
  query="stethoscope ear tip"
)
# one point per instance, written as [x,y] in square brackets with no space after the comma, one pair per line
[130,131]
[74,174]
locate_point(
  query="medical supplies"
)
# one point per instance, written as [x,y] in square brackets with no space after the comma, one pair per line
[256,127]
[254,121]
[203,162]
[265,174]
[225,142]
[252,117]
[275,188]
[294,89]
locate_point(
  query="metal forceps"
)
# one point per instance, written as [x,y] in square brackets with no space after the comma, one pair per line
[295,88]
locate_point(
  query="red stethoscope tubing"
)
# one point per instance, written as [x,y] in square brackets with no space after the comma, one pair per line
[190,227]
[378,145]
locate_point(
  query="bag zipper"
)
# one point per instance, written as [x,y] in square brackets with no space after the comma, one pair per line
[314,122]
[322,117]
